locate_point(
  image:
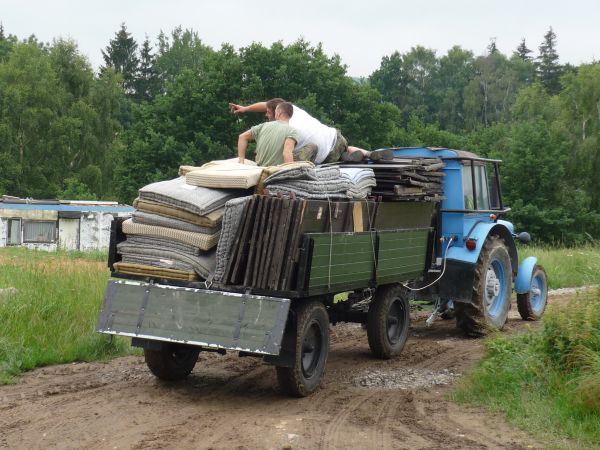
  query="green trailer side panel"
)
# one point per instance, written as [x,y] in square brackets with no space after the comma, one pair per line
[403,215]
[341,260]
[201,317]
[402,254]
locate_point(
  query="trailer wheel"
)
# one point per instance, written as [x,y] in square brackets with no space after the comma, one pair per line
[311,349]
[492,284]
[388,321]
[172,362]
[532,304]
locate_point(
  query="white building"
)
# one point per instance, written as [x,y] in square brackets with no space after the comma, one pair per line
[52,224]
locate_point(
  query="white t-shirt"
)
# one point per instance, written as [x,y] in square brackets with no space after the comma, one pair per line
[311,131]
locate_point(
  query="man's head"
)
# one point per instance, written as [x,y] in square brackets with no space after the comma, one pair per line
[271,105]
[284,111]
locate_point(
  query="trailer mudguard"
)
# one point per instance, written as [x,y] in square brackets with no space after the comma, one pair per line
[200,317]
[523,281]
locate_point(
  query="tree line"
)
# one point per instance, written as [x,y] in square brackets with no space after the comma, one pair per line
[68,132]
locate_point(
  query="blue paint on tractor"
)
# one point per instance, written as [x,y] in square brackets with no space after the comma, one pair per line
[523,281]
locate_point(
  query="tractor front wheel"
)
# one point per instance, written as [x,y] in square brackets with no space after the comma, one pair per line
[532,304]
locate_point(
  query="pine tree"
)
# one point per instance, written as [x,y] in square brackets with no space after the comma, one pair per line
[121,55]
[147,82]
[492,48]
[523,52]
[547,67]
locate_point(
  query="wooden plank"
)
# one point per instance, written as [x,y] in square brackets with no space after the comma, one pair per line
[252,239]
[294,247]
[278,253]
[241,243]
[357,215]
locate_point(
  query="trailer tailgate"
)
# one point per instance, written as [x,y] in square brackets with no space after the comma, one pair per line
[202,317]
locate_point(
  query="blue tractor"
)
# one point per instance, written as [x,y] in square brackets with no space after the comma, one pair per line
[477,256]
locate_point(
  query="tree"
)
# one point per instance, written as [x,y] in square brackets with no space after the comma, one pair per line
[523,52]
[492,48]
[456,70]
[407,80]
[547,66]
[121,55]
[181,50]
[147,83]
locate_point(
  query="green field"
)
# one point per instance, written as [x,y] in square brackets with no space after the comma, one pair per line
[51,317]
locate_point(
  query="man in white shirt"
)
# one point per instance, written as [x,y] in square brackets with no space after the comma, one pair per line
[317,142]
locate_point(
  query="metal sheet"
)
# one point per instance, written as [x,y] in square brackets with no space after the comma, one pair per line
[216,319]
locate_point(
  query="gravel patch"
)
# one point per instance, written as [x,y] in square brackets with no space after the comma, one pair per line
[405,378]
[570,291]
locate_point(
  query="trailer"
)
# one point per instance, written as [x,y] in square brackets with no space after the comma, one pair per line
[299,266]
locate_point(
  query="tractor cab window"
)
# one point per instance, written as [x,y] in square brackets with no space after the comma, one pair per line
[480,186]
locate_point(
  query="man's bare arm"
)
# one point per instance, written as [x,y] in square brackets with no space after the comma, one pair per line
[243,140]
[259,107]
[288,147]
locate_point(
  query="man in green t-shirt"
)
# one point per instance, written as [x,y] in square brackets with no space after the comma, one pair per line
[275,141]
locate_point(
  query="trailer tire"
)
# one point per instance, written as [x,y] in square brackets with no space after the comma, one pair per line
[172,362]
[532,304]
[311,339]
[492,286]
[388,321]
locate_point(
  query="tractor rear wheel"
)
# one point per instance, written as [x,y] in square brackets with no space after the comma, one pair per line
[532,304]
[488,309]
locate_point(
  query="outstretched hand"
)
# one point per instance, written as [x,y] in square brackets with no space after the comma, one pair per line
[236,109]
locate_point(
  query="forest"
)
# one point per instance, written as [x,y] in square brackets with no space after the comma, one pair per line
[69,131]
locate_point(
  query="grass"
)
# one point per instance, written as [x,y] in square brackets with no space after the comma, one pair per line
[51,317]
[546,381]
[567,267]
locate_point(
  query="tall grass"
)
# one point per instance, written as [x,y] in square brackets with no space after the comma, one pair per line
[567,267]
[546,381]
[51,317]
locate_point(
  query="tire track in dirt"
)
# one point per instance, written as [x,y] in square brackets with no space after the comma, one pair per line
[230,402]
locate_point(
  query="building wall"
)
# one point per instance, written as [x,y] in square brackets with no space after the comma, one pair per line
[3,231]
[94,229]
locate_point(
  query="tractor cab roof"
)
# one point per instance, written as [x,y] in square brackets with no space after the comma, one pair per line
[437,152]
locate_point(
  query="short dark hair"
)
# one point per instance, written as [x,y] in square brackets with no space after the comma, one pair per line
[272,104]
[286,108]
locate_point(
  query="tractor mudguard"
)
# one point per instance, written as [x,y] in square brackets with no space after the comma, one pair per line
[457,282]
[480,232]
[523,281]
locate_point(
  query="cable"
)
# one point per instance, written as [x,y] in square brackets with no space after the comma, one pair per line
[441,275]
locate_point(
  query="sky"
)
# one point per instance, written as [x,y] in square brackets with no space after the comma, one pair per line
[360,31]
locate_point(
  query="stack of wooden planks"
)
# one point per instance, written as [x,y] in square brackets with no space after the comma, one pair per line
[408,179]
[265,253]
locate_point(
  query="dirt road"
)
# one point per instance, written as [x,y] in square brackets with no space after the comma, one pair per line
[233,403]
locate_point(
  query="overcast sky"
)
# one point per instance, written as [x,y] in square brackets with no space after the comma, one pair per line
[360,31]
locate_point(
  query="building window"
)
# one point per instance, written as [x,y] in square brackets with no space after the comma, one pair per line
[14,232]
[39,231]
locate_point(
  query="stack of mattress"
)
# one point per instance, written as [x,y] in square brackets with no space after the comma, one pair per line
[322,183]
[174,231]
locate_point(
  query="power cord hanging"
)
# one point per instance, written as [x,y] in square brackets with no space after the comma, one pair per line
[450,240]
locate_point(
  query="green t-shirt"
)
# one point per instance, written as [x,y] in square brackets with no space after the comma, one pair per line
[270,137]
